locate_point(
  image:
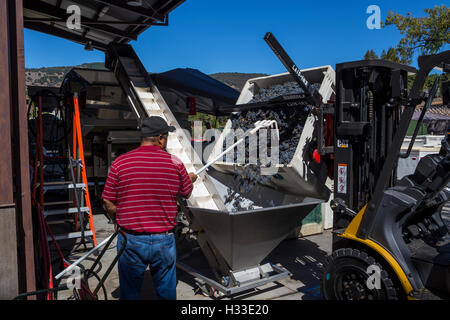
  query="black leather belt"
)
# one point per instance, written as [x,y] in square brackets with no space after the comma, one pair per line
[138,233]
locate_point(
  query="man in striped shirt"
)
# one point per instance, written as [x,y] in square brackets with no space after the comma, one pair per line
[140,196]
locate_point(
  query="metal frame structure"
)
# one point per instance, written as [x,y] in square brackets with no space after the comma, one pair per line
[102,21]
[366,114]
[205,283]
[426,64]
[84,292]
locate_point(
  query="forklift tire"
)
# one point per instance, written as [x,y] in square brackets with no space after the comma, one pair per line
[346,277]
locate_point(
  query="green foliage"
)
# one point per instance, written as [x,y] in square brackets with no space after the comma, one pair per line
[370,55]
[52,76]
[65,69]
[426,34]
[94,65]
[391,55]
[216,122]
[430,81]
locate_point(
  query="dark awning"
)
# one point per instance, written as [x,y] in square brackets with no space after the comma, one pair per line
[211,94]
[102,21]
[101,89]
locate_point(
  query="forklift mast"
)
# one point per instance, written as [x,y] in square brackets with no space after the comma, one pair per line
[360,123]
[370,95]
[354,134]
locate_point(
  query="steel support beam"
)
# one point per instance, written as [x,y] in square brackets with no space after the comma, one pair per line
[170,6]
[152,14]
[93,23]
[86,23]
[14,162]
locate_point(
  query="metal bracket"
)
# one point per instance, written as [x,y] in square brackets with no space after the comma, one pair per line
[320,111]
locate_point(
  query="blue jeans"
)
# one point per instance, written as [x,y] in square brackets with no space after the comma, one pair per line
[157,251]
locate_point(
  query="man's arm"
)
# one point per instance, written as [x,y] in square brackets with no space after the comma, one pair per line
[109,194]
[186,180]
[111,209]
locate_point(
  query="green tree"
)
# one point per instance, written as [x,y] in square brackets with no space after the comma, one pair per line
[370,55]
[391,55]
[430,81]
[426,34]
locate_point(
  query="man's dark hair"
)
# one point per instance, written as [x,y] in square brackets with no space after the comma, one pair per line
[153,139]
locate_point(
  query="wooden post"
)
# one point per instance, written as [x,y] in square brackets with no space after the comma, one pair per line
[17,266]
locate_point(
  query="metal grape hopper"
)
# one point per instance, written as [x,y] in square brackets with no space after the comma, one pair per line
[235,243]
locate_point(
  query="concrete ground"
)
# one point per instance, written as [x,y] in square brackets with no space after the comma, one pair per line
[302,257]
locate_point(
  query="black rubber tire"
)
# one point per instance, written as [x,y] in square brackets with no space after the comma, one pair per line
[345,278]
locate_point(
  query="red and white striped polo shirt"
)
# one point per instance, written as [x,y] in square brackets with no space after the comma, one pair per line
[143,184]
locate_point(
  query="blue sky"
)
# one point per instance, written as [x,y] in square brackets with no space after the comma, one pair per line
[227,36]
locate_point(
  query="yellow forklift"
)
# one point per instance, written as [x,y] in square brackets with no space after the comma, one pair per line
[389,238]
[390,241]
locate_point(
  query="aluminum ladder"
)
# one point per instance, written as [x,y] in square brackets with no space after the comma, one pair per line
[80,206]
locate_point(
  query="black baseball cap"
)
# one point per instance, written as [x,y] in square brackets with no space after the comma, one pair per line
[154,126]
